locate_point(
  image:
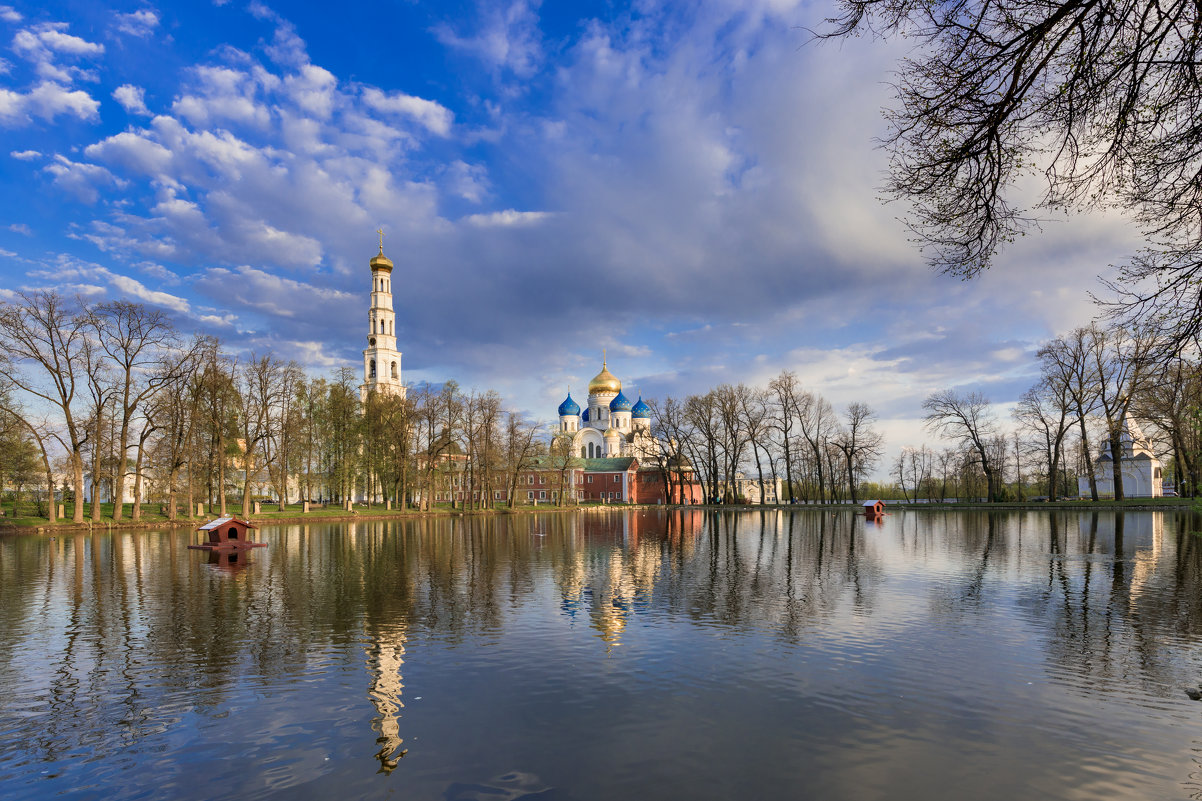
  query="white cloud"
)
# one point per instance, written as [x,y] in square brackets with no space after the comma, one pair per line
[10,14]
[138,23]
[132,98]
[47,100]
[35,43]
[53,37]
[133,152]
[81,180]
[136,289]
[434,117]
[25,155]
[509,218]
[508,38]
[468,181]
[274,295]
[312,90]
[21,228]
[224,94]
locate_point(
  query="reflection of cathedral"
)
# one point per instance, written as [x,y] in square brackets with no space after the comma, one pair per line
[611,425]
[386,655]
[1141,469]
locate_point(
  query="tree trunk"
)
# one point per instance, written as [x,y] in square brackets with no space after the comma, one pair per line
[77,477]
[1089,471]
[136,513]
[221,471]
[122,465]
[1116,462]
[172,500]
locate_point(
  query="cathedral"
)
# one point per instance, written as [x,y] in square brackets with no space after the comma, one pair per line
[610,426]
[381,359]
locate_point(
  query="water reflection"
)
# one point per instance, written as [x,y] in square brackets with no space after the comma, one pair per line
[921,639]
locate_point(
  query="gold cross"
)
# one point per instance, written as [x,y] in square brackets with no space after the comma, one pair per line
[380,231]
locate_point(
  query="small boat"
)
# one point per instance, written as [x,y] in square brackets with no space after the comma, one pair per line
[227,534]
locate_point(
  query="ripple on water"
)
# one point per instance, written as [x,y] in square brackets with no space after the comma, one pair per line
[932,656]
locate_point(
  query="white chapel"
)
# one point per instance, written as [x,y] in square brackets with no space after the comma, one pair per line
[1142,477]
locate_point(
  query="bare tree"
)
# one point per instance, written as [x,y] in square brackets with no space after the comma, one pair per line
[280,388]
[1100,98]
[1171,400]
[436,411]
[816,420]
[136,340]
[176,410]
[1120,364]
[562,458]
[521,447]
[1066,364]
[259,383]
[785,392]
[101,390]
[969,420]
[859,444]
[753,407]
[42,332]
[732,435]
[1044,410]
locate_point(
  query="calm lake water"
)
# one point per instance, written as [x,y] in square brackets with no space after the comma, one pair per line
[639,655]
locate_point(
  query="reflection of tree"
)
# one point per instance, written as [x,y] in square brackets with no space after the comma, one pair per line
[776,571]
[1121,593]
[142,633]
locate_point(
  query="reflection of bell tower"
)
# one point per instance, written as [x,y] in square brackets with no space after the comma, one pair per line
[385,656]
[381,359]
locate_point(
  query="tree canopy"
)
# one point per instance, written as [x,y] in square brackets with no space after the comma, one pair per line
[1101,97]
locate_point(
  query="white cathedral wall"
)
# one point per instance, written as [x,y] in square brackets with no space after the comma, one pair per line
[1138,480]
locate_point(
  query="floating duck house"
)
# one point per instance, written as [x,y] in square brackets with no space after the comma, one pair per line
[227,533]
[874,508]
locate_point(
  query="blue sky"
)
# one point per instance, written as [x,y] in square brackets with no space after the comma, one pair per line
[692,186]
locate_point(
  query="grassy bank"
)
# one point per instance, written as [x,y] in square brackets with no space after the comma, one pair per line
[25,519]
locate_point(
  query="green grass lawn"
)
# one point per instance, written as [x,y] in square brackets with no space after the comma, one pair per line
[25,515]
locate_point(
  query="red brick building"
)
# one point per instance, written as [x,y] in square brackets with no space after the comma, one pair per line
[613,480]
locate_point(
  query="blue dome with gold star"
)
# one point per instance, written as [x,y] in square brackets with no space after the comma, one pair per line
[620,403]
[640,411]
[569,408]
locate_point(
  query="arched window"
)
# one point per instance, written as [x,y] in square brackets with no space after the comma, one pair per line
[373,368]
[581,451]
[394,375]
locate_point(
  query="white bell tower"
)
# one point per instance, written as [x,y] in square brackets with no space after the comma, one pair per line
[381,359]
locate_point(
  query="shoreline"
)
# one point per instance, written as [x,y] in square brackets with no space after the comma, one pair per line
[1134,505]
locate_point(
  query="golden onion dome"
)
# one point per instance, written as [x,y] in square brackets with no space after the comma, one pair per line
[604,381]
[381,262]
[612,433]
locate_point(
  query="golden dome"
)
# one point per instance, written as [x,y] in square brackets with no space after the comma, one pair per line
[381,262]
[612,433]
[604,381]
